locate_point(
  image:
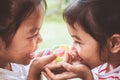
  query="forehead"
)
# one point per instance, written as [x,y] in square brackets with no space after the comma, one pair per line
[78,31]
[33,22]
[75,29]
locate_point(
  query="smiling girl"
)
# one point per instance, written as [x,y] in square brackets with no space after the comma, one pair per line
[94,26]
[20,22]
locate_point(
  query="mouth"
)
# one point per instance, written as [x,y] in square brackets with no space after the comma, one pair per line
[32,55]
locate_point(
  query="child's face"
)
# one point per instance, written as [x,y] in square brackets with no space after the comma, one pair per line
[26,39]
[87,47]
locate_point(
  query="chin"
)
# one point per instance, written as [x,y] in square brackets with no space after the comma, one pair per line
[27,62]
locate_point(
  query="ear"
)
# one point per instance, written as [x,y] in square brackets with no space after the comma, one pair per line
[114,43]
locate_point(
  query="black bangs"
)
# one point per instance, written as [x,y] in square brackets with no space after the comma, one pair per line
[99,18]
[75,13]
[13,13]
[82,13]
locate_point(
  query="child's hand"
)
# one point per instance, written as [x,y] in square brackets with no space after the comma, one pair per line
[38,65]
[69,71]
[59,51]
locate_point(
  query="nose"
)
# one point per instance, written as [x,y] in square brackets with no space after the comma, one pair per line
[73,51]
[76,52]
[39,39]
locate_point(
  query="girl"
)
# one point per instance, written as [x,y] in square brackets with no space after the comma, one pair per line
[20,22]
[94,26]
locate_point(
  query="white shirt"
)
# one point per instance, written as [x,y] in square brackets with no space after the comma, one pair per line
[18,73]
[100,73]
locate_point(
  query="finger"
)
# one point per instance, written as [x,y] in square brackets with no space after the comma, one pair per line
[66,76]
[54,65]
[71,68]
[48,58]
[63,76]
[42,61]
[70,58]
[66,57]
[78,68]
[49,74]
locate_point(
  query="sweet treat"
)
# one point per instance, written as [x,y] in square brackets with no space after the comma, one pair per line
[59,51]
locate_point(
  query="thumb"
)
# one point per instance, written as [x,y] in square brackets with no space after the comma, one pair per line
[42,61]
[48,58]
[39,62]
[67,66]
[77,68]
[72,68]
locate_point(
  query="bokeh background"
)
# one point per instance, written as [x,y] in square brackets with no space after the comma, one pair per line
[54,30]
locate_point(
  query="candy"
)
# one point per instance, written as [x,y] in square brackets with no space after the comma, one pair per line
[46,52]
[59,59]
[59,51]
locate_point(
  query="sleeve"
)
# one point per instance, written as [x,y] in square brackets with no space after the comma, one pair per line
[95,72]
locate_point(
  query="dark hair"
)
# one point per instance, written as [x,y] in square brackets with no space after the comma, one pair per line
[99,18]
[12,14]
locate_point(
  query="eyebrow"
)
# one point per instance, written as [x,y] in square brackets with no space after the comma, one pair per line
[33,30]
[74,36]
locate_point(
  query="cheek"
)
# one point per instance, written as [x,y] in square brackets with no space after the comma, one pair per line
[89,55]
[90,52]
[33,45]
[26,46]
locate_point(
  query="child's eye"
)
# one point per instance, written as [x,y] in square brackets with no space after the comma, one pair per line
[78,46]
[77,43]
[36,35]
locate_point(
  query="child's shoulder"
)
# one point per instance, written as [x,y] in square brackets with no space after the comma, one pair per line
[19,68]
[18,73]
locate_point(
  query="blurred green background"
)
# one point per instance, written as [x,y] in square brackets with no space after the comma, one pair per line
[54,30]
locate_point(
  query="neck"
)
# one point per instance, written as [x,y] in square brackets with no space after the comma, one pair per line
[114,61]
[5,65]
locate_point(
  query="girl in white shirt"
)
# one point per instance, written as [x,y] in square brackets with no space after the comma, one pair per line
[20,24]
